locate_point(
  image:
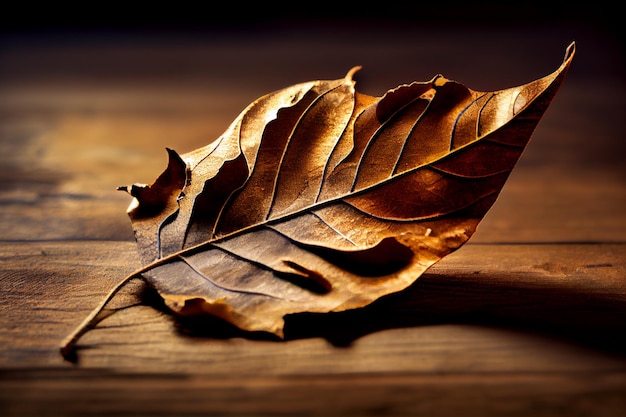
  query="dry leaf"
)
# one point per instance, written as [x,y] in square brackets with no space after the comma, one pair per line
[319,198]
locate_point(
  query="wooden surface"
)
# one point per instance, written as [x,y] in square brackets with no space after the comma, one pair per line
[528,319]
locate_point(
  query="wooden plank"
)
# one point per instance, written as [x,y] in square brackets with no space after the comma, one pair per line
[77,393]
[482,294]
[491,329]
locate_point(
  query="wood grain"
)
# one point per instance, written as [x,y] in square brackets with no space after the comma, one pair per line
[479,325]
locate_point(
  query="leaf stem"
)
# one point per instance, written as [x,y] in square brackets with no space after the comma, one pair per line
[68,345]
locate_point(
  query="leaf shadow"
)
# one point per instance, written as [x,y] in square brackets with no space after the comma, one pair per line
[597,321]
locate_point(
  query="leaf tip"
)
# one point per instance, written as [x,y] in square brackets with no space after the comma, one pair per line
[439,80]
[172,153]
[353,70]
[569,52]
[571,48]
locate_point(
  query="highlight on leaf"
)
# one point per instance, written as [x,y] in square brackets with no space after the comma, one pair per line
[318,198]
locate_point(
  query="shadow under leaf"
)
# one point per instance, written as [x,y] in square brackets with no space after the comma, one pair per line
[597,321]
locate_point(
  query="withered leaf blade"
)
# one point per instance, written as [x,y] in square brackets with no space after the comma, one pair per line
[318,198]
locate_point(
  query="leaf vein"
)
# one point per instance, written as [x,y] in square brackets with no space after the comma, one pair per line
[220,286]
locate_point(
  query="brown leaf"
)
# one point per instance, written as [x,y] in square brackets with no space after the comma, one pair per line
[319,198]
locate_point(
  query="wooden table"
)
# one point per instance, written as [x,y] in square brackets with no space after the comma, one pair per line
[529,318]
